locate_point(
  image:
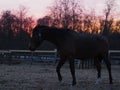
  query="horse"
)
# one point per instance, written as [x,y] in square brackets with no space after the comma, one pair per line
[71,45]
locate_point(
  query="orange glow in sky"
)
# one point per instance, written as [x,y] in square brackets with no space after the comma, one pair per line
[39,8]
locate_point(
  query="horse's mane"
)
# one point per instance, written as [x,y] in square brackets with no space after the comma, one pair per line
[64,31]
[60,31]
[52,28]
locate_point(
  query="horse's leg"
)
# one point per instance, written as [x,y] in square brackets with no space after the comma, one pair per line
[108,64]
[98,67]
[72,69]
[60,64]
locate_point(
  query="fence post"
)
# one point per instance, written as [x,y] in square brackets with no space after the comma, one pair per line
[9,57]
[32,54]
[55,55]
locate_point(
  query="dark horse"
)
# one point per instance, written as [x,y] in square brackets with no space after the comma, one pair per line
[71,45]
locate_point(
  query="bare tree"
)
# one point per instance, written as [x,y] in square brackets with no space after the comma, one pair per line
[28,24]
[76,14]
[108,20]
[63,13]
[25,22]
[21,15]
[66,13]
[56,14]
[7,22]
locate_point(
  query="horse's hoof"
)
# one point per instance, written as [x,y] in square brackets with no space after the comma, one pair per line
[74,83]
[111,82]
[60,79]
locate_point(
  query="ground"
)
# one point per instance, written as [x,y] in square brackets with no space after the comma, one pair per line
[43,77]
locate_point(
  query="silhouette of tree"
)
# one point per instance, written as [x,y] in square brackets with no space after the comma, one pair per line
[15,30]
[108,21]
[7,21]
[66,13]
[21,15]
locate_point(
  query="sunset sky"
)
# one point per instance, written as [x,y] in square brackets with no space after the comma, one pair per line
[39,8]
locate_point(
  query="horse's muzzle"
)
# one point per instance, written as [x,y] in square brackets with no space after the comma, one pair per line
[30,47]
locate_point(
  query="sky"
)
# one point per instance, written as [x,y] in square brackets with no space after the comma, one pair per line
[36,8]
[39,8]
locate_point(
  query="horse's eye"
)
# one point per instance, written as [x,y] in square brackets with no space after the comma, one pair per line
[39,35]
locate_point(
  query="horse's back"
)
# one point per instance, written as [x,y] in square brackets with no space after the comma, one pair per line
[82,45]
[91,46]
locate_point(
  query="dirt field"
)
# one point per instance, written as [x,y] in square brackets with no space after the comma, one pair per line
[44,77]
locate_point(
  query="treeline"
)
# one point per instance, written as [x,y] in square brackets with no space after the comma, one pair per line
[71,14]
[15,28]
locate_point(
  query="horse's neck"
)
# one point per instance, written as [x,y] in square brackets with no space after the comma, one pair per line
[52,37]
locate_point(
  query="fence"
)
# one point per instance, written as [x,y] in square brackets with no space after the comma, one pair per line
[17,56]
[114,58]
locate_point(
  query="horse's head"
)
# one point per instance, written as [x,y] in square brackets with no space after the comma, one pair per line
[36,39]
